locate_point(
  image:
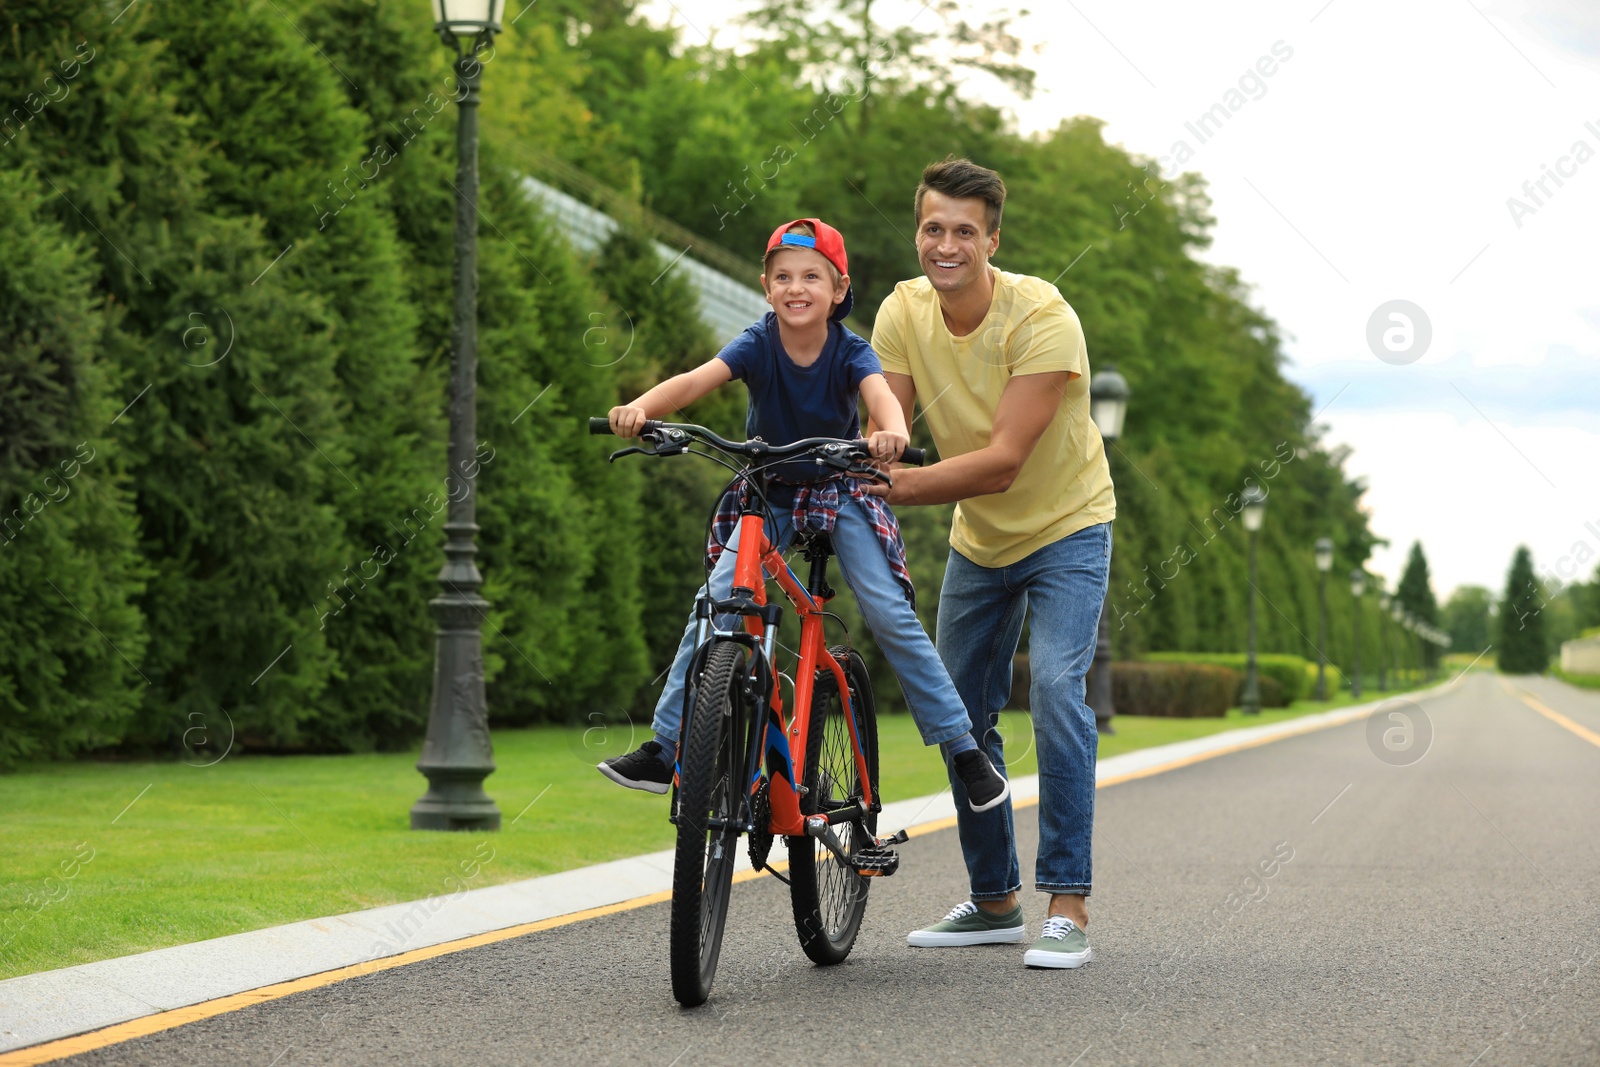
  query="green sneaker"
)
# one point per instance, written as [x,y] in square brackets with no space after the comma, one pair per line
[1061,944]
[968,924]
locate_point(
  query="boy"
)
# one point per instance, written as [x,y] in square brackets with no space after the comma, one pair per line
[803,370]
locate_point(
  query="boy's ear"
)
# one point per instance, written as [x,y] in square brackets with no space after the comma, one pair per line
[842,288]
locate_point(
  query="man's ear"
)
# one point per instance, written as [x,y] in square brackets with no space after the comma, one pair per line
[994,243]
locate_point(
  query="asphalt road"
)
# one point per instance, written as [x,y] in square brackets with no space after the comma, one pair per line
[1438,910]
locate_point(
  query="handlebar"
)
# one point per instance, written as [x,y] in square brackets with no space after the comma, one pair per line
[681,432]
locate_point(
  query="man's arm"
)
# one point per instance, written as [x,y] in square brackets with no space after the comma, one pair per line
[1026,407]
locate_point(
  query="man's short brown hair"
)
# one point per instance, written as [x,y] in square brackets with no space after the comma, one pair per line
[962,179]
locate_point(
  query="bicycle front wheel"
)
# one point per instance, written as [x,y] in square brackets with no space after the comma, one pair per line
[710,768]
[829,897]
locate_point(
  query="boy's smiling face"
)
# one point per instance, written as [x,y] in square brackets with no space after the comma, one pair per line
[800,287]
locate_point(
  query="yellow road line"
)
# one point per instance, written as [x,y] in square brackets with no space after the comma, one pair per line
[1550,713]
[168,1020]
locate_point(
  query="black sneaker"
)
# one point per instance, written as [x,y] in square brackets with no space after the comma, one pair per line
[985,786]
[640,769]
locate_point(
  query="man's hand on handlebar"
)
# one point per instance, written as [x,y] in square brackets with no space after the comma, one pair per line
[627,420]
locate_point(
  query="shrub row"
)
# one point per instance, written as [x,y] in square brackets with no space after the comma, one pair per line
[1174,690]
[1284,679]
[1179,689]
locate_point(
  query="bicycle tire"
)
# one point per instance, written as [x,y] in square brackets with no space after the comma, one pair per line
[710,766]
[829,898]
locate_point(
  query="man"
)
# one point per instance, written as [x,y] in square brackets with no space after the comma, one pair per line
[999,363]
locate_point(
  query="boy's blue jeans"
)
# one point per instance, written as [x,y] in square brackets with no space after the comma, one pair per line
[980,620]
[939,713]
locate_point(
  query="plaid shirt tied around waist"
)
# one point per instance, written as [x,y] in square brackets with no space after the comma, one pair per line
[816,510]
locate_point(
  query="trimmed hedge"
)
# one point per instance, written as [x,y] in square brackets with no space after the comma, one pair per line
[1586,681]
[1173,690]
[1284,679]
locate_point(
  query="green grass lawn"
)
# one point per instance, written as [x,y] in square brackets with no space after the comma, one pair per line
[107,859]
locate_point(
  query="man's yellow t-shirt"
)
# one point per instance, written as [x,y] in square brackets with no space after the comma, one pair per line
[1065,485]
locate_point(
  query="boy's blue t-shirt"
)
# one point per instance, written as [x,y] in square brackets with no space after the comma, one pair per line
[789,402]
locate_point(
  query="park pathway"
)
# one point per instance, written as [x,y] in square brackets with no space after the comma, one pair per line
[1434,910]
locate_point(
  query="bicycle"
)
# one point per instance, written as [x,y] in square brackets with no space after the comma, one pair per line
[744,766]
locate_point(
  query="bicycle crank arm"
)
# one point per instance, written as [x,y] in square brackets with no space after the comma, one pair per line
[817,827]
[900,837]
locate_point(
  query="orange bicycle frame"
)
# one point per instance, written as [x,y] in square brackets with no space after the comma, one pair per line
[752,568]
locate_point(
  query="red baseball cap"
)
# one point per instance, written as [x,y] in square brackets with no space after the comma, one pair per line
[828,241]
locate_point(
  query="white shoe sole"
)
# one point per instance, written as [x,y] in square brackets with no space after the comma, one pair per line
[1038,957]
[995,803]
[929,939]
[648,787]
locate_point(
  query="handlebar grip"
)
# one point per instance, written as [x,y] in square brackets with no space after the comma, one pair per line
[914,457]
[603,426]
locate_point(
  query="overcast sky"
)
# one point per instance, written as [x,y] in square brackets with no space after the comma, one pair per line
[1375,163]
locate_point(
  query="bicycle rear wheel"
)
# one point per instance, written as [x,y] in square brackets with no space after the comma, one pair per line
[829,897]
[711,767]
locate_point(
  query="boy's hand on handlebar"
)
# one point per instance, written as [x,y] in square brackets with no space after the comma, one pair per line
[627,420]
[886,445]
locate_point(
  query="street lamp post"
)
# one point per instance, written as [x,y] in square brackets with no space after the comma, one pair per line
[457,754]
[1324,564]
[1108,406]
[1358,585]
[1383,645]
[1403,620]
[1254,510]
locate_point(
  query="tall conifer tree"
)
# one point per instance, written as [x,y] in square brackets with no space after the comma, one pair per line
[1521,647]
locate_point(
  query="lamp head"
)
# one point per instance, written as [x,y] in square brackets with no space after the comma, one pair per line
[1255,506]
[467,22]
[1358,582]
[1324,554]
[1108,401]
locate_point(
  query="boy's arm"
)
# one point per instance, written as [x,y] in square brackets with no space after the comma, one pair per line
[679,391]
[904,389]
[887,436]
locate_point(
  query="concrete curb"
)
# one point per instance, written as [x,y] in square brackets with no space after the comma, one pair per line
[73,1000]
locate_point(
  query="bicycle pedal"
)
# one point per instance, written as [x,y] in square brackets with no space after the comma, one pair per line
[899,837]
[876,862]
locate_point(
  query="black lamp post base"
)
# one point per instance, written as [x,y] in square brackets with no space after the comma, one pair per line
[1103,726]
[455,802]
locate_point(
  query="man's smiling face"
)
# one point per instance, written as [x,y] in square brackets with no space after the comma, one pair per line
[800,286]
[953,242]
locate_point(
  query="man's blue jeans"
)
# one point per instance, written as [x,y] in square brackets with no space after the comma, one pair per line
[980,620]
[939,713]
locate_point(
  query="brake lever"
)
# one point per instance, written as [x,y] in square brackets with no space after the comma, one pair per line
[631,450]
[870,472]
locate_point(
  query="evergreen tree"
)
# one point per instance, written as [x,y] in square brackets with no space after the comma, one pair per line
[70,634]
[1521,647]
[1415,594]
[309,164]
[1468,617]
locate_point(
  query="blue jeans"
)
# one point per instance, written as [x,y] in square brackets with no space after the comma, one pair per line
[930,694]
[980,620]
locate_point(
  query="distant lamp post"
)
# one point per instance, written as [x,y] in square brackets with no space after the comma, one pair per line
[1324,565]
[1403,620]
[457,754]
[1254,510]
[1383,645]
[1108,406]
[1358,585]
